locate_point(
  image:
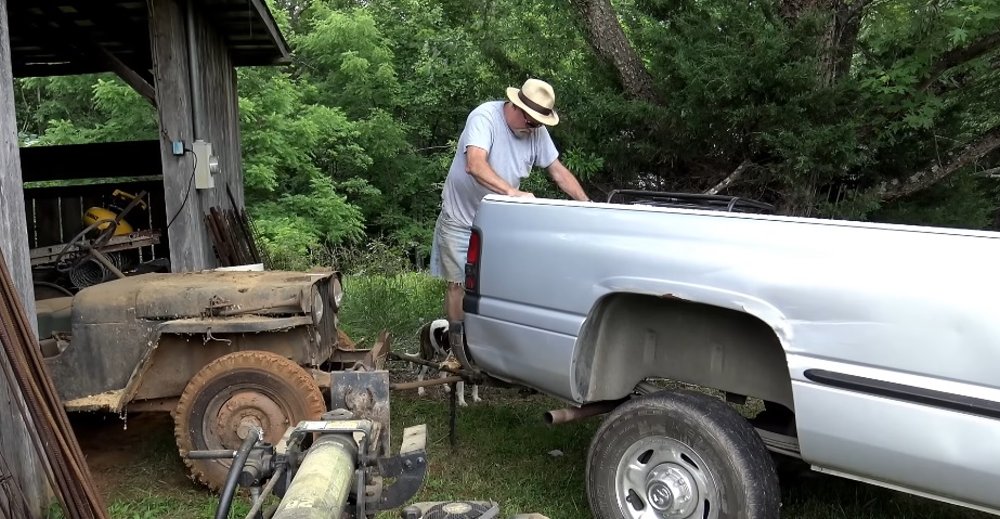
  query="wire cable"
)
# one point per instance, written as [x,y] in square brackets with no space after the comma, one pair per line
[187,192]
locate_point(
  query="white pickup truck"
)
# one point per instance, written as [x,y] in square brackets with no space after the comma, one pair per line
[875,348]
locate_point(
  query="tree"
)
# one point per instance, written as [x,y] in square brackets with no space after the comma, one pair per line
[864,83]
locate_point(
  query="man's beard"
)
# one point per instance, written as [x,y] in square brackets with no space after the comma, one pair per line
[522,133]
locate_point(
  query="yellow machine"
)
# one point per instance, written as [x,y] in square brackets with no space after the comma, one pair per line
[98,214]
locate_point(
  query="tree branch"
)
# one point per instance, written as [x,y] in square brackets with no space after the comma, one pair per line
[737,173]
[956,57]
[954,161]
[989,173]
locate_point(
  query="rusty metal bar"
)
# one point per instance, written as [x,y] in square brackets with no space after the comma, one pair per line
[103,260]
[422,362]
[46,420]
[402,386]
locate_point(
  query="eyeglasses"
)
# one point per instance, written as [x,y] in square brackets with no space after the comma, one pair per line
[528,121]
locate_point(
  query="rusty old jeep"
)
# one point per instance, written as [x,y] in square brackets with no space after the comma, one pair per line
[222,351]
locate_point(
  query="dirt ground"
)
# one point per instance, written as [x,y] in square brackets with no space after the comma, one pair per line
[113,447]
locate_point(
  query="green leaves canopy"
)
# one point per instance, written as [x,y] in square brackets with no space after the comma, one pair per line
[861,109]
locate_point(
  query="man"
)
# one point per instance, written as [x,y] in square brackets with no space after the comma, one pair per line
[501,142]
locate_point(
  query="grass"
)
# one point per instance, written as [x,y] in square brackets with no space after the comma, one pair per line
[504,452]
[401,303]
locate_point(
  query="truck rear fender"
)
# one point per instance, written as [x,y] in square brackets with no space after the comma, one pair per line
[642,328]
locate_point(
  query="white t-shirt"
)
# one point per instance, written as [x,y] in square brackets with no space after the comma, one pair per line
[511,158]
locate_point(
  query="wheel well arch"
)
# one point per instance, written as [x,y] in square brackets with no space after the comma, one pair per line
[630,337]
[177,357]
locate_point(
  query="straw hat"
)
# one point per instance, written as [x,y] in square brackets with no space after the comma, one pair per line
[537,98]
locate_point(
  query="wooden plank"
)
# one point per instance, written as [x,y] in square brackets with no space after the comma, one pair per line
[98,160]
[173,97]
[95,191]
[29,220]
[48,221]
[82,44]
[221,117]
[272,30]
[14,440]
[71,214]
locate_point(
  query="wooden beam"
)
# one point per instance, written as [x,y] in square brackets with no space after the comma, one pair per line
[83,46]
[272,29]
[133,28]
[13,232]
[15,443]
[190,249]
[95,160]
[131,77]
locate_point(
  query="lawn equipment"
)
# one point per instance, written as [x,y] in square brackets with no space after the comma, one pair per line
[336,467]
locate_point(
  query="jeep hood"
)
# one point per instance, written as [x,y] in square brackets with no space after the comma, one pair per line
[194,294]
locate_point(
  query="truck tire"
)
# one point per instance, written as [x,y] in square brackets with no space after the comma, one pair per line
[680,454]
[235,391]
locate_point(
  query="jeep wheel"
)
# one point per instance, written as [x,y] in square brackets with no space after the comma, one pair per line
[679,454]
[234,392]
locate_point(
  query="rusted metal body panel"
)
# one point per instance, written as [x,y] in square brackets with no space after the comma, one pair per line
[144,337]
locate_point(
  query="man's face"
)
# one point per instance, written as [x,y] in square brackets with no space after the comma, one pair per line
[526,125]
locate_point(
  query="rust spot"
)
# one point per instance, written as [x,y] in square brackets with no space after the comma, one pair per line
[344,342]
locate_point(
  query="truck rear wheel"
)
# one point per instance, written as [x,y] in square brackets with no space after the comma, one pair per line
[234,392]
[680,454]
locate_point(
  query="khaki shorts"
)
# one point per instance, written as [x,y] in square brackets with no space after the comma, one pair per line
[449,249]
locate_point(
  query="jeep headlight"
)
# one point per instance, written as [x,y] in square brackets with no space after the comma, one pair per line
[336,292]
[318,307]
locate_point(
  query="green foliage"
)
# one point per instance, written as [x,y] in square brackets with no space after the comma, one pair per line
[81,109]
[354,139]
[400,303]
[960,201]
[287,145]
[345,55]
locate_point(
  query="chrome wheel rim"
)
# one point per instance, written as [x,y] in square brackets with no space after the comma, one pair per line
[661,478]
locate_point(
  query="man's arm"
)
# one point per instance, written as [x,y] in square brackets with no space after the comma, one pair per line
[477,165]
[566,181]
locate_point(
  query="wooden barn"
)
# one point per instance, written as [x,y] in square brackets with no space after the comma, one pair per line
[180,55]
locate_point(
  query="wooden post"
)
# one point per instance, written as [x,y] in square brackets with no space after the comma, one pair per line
[218,123]
[14,441]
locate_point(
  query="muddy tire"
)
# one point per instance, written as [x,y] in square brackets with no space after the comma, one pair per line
[680,454]
[233,392]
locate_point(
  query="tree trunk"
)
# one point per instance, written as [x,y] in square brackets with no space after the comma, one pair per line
[838,40]
[606,37]
[952,162]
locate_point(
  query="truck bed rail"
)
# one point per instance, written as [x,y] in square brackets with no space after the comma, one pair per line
[689,201]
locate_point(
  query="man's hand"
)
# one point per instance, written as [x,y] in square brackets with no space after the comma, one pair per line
[523,194]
